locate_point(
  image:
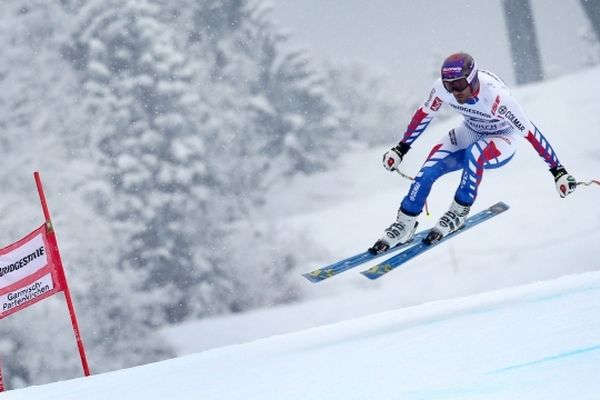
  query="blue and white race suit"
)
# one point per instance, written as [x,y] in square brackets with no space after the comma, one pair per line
[487,138]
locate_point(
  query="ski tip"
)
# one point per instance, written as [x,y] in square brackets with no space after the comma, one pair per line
[314,278]
[370,275]
[499,207]
[319,274]
[377,271]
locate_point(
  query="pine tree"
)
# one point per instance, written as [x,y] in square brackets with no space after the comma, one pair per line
[139,80]
[291,122]
[47,129]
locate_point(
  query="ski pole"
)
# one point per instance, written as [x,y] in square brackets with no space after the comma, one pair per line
[410,178]
[588,183]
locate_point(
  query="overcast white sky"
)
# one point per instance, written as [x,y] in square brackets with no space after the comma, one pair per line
[411,38]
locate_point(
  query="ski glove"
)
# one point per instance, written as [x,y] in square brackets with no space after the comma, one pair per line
[393,157]
[565,182]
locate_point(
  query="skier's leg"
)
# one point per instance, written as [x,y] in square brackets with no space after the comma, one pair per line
[445,157]
[491,151]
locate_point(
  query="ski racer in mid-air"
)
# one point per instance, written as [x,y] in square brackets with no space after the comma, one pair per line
[487,138]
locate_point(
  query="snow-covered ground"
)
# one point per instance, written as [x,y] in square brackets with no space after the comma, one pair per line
[410,335]
[539,341]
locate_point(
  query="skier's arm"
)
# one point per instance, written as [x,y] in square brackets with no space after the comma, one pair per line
[424,114]
[418,123]
[511,111]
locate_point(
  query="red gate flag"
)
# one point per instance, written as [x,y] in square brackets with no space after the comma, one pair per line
[28,272]
[31,270]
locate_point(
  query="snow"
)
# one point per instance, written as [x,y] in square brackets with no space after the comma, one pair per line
[509,310]
[537,341]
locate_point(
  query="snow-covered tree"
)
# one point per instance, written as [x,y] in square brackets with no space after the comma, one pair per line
[178,146]
[292,121]
[136,76]
[46,128]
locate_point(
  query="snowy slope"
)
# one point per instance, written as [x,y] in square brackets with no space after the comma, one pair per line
[534,342]
[542,236]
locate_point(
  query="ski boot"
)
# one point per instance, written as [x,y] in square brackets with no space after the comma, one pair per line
[399,232]
[451,221]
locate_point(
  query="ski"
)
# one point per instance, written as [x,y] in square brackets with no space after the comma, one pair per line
[399,259]
[336,268]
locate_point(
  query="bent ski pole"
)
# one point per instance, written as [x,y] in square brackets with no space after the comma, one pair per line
[588,183]
[410,178]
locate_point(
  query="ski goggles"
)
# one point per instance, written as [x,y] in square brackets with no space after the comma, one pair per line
[455,85]
[459,83]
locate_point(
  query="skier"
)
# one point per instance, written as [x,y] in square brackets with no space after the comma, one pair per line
[487,138]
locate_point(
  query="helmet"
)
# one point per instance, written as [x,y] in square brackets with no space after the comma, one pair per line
[459,71]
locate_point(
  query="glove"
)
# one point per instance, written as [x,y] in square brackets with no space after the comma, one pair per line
[393,157]
[565,182]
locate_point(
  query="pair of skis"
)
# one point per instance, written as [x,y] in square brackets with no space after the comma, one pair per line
[407,251]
